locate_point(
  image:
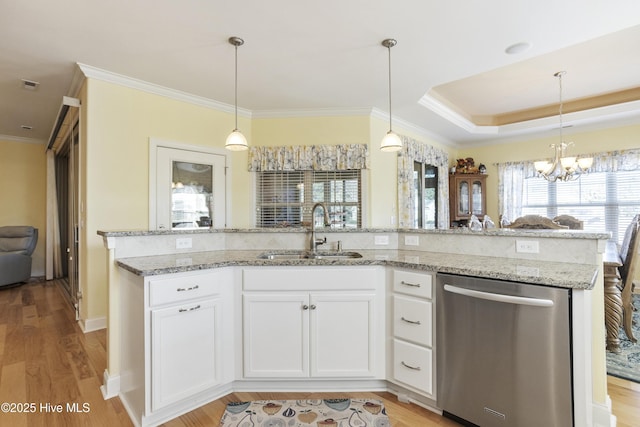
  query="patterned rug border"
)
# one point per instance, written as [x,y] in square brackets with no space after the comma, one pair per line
[342,412]
[626,364]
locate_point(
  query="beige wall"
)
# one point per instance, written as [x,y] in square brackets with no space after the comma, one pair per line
[23,171]
[118,122]
[585,142]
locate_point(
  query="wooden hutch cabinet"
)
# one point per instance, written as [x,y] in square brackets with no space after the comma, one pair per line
[467,196]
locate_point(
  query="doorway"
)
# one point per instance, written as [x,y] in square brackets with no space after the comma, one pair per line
[64,223]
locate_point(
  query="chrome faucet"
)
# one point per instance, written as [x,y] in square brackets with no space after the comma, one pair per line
[315,242]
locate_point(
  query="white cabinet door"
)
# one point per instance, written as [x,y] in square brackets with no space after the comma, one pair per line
[276,335]
[342,334]
[185,350]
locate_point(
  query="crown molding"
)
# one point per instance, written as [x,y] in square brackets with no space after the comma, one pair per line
[320,112]
[599,115]
[133,83]
[10,138]
[408,126]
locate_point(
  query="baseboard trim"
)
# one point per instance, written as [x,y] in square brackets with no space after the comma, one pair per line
[91,325]
[111,385]
[603,416]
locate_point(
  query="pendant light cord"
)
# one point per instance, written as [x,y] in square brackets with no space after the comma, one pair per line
[236,88]
[390,115]
[560,74]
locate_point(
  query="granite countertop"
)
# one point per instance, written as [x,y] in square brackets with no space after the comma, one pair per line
[563,234]
[565,275]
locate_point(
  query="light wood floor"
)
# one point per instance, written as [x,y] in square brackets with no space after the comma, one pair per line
[46,359]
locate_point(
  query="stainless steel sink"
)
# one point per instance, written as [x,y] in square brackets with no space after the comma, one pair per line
[293,255]
[282,255]
[335,255]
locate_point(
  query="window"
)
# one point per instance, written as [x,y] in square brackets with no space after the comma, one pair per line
[425,195]
[285,199]
[605,201]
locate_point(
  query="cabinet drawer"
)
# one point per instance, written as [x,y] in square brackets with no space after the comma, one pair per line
[411,283]
[412,319]
[176,289]
[412,365]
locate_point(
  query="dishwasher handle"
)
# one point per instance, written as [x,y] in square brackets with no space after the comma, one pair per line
[510,299]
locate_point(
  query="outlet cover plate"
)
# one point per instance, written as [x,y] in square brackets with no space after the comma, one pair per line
[381,240]
[411,240]
[527,246]
[184,242]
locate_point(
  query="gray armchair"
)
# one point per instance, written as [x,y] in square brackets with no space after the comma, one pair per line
[17,243]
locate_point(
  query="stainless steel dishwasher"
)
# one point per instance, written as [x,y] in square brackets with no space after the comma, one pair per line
[503,352]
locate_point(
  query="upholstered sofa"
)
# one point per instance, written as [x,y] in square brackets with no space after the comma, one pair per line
[17,243]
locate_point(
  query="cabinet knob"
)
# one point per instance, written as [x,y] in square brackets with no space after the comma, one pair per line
[313,307]
[305,307]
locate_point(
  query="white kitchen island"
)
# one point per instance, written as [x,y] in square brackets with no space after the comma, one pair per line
[233,303]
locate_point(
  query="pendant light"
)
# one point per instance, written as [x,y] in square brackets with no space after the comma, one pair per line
[391,141]
[236,140]
[563,167]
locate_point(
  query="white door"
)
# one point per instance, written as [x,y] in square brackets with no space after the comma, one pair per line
[343,335]
[276,335]
[189,189]
[185,351]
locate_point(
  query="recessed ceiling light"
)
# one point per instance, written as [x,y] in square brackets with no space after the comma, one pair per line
[30,84]
[518,48]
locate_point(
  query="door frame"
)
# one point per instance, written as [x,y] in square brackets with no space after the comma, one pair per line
[154,143]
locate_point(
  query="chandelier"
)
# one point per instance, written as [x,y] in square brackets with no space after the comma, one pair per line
[563,167]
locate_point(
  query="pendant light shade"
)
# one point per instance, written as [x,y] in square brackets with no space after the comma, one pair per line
[391,142]
[236,140]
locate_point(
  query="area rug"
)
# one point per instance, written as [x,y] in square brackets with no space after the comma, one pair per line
[304,413]
[626,364]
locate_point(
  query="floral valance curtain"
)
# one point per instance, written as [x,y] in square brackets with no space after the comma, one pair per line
[415,151]
[511,176]
[309,157]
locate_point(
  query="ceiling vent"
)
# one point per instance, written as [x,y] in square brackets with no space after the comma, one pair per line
[26,127]
[30,84]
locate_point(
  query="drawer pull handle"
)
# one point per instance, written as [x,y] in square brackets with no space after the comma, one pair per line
[192,288]
[415,285]
[413,322]
[415,368]
[182,310]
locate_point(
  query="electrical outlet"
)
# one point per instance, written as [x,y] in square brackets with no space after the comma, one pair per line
[527,246]
[411,240]
[381,240]
[184,243]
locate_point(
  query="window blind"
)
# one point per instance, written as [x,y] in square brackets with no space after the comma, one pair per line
[605,201]
[286,198]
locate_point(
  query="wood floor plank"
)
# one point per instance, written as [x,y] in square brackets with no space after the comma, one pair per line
[45,358]
[13,392]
